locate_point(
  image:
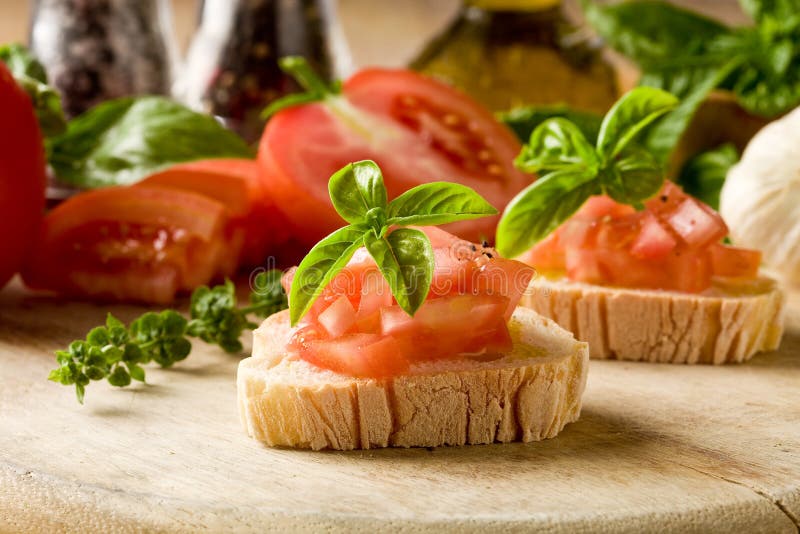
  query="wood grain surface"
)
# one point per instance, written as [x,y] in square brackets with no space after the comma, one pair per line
[659,447]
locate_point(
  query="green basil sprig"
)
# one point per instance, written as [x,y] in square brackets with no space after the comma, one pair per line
[30,75]
[524,120]
[572,169]
[703,175]
[404,255]
[690,55]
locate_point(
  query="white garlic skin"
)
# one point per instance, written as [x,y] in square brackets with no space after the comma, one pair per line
[760,200]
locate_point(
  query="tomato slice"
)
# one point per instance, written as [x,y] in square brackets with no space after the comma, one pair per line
[417,129]
[22,176]
[237,184]
[356,327]
[673,244]
[130,244]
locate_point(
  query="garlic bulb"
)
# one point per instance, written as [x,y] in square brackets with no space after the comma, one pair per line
[760,200]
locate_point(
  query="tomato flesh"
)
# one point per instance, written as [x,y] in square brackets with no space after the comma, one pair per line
[417,130]
[254,219]
[673,244]
[141,244]
[356,327]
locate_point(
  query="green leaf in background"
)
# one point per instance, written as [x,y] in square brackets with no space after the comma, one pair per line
[122,141]
[216,318]
[542,207]
[759,9]
[321,264]
[405,258]
[437,203]
[554,145]
[357,188]
[31,76]
[652,30]
[524,120]
[664,136]
[631,114]
[703,175]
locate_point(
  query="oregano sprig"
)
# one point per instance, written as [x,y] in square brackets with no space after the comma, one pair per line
[571,169]
[404,255]
[117,353]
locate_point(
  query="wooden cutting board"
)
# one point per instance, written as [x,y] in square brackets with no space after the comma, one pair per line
[658,447]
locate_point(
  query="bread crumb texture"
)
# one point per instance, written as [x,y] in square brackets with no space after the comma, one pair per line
[726,325]
[288,402]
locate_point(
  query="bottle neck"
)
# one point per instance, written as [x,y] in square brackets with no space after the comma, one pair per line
[514,5]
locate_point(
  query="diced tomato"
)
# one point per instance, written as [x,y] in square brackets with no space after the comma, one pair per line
[696,225]
[130,244]
[672,244]
[734,262]
[654,242]
[356,328]
[338,318]
[417,129]
[237,184]
[500,276]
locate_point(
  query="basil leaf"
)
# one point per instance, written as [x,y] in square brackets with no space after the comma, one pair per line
[523,121]
[31,76]
[704,174]
[437,203]
[632,113]
[634,177]
[542,207]
[321,264]
[663,137]
[357,188]
[759,9]
[122,141]
[651,30]
[554,145]
[405,258]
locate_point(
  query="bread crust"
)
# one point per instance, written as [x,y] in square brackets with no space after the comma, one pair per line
[727,324]
[528,395]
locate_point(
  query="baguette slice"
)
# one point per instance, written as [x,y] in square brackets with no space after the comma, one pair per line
[527,395]
[728,323]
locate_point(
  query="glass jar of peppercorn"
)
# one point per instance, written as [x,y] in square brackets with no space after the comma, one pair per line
[232,67]
[95,50]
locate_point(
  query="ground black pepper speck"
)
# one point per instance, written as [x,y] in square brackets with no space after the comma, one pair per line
[95,50]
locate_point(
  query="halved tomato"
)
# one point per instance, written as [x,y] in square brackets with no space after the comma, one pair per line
[237,184]
[22,175]
[356,327]
[672,244]
[141,244]
[417,130]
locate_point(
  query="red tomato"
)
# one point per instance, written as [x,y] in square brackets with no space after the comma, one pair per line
[673,244]
[130,244]
[417,129]
[237,184]
[22,176]
[734,262]
[356,327]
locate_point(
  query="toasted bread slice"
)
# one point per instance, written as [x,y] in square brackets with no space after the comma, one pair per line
[728,323]
[527,395]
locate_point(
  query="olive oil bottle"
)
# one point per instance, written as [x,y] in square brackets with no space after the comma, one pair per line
[509,53]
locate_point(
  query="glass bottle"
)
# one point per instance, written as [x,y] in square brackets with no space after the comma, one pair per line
[95,50]
[232,68]
[508,53]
